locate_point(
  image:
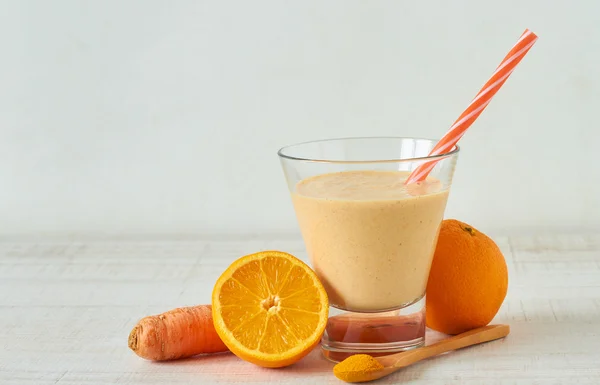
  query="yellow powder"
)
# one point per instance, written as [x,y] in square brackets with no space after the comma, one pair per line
[356,367]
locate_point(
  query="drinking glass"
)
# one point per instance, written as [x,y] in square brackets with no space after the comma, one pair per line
[369,236]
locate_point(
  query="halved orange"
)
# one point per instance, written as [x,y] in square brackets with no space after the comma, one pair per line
[269,308]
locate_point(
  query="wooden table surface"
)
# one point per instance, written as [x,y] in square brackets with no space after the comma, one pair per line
[66,309]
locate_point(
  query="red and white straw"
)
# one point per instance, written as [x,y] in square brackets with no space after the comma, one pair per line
[478,104]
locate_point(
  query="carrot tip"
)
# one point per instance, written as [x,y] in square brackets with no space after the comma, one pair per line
[132,341]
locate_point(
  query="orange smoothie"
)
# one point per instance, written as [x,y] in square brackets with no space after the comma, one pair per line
[370,237]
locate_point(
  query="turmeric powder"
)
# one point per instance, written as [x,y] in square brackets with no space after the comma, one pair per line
[356,367]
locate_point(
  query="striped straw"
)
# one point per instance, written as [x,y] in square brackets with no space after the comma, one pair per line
[478,104]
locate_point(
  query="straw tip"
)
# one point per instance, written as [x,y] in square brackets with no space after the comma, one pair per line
[530,32]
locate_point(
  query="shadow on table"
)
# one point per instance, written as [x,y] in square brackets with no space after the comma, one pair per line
[314,362]
[228,367]
[203,359]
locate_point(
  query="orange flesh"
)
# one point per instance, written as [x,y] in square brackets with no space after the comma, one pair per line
[270,307]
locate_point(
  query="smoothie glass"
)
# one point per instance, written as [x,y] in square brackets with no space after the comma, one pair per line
[369,237]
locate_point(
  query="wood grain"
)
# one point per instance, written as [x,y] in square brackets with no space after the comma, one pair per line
[67,307]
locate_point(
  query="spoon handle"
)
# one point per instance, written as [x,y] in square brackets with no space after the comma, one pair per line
[472,337]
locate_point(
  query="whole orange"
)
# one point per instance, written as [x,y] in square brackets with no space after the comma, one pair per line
[468,279]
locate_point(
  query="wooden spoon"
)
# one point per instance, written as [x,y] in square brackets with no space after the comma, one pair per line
[393,362]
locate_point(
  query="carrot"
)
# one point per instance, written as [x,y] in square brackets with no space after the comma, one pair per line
[178,333]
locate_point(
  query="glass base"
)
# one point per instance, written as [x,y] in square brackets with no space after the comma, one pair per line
[376,334]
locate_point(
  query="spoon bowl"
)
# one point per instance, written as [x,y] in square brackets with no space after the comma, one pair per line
[397,361]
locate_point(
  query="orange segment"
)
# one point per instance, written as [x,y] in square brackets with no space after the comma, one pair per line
[269,308]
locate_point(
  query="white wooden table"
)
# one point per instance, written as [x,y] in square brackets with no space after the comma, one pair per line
[66,309]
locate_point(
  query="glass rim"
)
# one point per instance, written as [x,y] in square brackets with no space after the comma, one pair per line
[281,154]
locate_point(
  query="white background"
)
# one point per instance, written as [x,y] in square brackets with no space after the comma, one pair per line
[164,117]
